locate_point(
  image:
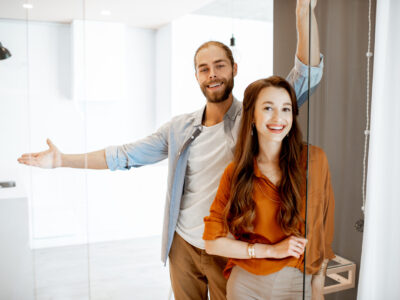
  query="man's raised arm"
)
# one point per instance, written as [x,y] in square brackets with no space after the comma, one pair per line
[302,23]
[298,76]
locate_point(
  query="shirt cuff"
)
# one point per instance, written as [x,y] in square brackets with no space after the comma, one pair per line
[303,69]
[112,157]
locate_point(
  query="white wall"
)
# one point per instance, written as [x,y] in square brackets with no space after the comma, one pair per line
[163,74]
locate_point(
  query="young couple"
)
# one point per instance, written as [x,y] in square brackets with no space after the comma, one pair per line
[257,216]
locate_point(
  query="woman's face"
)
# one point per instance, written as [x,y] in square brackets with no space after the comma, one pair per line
[273,115]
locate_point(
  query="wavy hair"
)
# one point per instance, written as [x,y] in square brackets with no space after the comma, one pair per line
[239,213]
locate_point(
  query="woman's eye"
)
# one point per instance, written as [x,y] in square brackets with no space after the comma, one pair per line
[268,108]
[287,109]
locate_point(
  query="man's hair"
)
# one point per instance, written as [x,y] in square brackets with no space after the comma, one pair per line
[224,47]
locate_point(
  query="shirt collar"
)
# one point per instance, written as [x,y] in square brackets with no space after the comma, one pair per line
[232,112]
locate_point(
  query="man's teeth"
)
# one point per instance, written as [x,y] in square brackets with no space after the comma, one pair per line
[214,85]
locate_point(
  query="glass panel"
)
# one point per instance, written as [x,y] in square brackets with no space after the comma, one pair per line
[16,267]
[337,120]
[40,70]
[99,74]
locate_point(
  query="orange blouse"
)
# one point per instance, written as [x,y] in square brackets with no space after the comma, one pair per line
[320,218]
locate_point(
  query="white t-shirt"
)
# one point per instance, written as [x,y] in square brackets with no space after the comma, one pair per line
[209,155]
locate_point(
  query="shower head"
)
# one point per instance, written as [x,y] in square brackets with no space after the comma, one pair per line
[4,53]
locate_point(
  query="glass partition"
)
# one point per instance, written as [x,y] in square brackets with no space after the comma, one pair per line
[89,74]
[337,122]
[16,274]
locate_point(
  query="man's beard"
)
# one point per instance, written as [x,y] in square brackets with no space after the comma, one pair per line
[220,96]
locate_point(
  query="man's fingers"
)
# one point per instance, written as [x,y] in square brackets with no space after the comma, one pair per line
[25,155]
[51,145]
[26,160]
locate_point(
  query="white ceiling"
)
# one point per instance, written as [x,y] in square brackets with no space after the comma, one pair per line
[262,10]
[138,13]
[144,14]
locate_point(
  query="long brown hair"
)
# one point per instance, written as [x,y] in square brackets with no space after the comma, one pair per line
[239,213]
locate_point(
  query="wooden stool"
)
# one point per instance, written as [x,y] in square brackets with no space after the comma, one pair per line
[338,281]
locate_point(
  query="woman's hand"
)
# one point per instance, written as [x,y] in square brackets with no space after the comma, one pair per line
[48,159]
[291,246]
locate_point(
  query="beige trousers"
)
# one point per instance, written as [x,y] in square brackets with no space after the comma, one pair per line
[287,284]
[194,273]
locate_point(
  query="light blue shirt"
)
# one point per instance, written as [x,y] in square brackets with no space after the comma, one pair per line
[173,139]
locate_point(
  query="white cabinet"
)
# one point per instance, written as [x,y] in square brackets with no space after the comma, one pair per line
[16,273]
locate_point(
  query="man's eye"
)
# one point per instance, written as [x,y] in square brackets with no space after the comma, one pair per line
[220,66]
[203,70]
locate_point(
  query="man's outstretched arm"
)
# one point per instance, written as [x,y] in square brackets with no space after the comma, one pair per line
[303,25]
[148,150]
[54,158]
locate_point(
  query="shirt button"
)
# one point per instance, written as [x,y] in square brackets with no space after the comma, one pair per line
[192,137]
[179,153]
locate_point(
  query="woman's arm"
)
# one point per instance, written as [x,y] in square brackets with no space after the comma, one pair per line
[228,247]
[318,282]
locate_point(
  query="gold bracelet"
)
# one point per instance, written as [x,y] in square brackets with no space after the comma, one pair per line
[251,250]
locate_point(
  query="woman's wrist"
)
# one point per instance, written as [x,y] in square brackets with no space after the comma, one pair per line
[262,250]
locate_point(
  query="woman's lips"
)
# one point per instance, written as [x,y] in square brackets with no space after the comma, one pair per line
[276,128]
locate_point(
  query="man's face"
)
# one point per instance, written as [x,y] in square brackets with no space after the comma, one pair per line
[214,73]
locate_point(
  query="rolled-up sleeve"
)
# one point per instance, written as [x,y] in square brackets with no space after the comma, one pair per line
[148,150]
[214,223]
[298,77]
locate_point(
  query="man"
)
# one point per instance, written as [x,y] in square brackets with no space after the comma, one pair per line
[198,146]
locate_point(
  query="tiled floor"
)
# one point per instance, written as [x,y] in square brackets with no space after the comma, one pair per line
[122,270]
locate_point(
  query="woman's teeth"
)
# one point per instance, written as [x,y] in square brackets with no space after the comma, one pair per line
[275,127]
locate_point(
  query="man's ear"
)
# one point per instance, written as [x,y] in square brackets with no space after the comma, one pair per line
[235,67]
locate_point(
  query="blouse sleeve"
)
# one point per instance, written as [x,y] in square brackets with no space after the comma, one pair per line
[329,213]
[214,223]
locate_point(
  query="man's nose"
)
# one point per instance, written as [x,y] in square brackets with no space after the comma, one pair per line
[212,73]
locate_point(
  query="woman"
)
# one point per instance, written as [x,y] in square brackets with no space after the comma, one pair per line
[261,202]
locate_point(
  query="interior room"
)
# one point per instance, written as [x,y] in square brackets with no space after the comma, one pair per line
[83,75]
